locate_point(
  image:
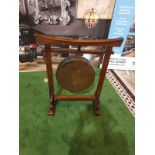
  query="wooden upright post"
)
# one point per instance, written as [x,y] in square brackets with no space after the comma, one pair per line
[104,67]
[49,69]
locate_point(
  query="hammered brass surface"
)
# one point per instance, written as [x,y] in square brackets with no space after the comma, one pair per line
[75,73]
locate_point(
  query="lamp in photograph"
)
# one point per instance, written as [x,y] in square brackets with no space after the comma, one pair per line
[91,18]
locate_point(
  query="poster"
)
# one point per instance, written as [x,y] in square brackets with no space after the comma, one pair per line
[103,8]
[123,25]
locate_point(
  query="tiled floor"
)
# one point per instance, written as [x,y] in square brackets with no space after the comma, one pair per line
[128,77]
[123,87]
[38,65]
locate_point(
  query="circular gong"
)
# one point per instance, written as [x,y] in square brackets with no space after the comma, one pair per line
[75,73]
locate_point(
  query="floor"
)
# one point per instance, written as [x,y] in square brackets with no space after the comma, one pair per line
[128,77]
[74,130]
[123,87]
[37,65]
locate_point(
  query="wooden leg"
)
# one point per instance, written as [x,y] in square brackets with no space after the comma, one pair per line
[49,69]
[96,107]
[105,63]
[51,111]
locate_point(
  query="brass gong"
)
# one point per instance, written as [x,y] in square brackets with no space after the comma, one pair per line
[75,73]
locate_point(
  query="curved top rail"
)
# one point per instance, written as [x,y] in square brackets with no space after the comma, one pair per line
[48,39]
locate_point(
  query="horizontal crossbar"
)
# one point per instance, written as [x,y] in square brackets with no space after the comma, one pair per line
[66,50]
[47,39]
[74,97]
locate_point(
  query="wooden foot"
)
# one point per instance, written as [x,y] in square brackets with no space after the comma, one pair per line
[96,107]
[51,111]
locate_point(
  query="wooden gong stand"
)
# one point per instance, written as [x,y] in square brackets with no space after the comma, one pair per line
[107,44]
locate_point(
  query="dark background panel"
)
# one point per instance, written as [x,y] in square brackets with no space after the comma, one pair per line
[75,28]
